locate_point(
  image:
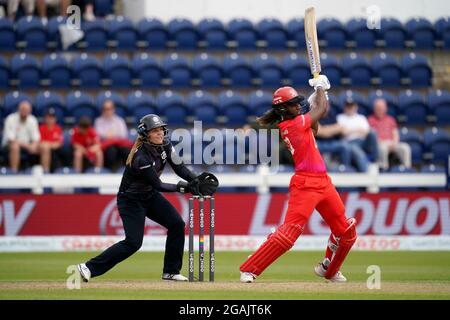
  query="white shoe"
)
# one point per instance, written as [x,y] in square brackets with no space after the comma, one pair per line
[84,272]
[320,270]
[247,277]
[174,277]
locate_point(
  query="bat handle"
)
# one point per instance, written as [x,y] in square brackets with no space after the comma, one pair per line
[315,75]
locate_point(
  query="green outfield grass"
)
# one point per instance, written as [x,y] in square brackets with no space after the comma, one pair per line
[404,275]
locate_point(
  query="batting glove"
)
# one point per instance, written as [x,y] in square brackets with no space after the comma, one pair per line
[320,82]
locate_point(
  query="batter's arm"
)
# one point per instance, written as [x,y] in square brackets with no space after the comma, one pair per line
[319,108]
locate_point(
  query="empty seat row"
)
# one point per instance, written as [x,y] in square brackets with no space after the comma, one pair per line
[433,145]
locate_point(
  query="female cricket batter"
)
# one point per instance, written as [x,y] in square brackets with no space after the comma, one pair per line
[139,197]
[310,186]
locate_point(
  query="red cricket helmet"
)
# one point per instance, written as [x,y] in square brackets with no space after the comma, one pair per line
[283,95]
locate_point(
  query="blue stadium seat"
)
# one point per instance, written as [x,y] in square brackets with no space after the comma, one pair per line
[208,70]
[119,103]
[350,95]
[81,104]
[442,27]
[421,31]
[413,106]
[184,33]
[431,168]
[95,34]
[147,70]
[387,69]
[401,169]
[178,70]
[56,69]
[341,168]
[268,70]
[416,68]
[103,7]
[7,35]
[172,106]
[363,37]
[87,70]
[273,33]
[357,69]
[238,70]
[153,32]
[117,69]
[392,33]
[53,35]
[32,33]
[203,107]
[296,32]
[439,103]
[122,33]
[332,68]
[259,102]
[332,33]
[437,141]
[415,141]
[296,68]
[212,34]
[335,108]
[26,70]
[5,73]
[95,170]
[140,104]
[12,99]
[243,33]
[393,108]
[233,106]
[47,99]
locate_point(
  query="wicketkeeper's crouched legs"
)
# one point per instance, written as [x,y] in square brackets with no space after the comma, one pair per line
[276,244]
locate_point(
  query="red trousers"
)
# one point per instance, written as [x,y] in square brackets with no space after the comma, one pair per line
[309,191]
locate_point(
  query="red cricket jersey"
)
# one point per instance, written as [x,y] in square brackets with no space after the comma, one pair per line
[86,140]
[53,134]
[299,139]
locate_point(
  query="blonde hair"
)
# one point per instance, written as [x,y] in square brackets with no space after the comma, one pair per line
[137,144]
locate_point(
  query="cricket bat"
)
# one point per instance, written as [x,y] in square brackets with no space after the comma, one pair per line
[312,45]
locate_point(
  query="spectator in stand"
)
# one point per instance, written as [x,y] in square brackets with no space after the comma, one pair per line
[388,136]
[113,134]
[52,140]
[21,136]
[13,6]
[86,146]
[356,131]
[86,6]
[42,5]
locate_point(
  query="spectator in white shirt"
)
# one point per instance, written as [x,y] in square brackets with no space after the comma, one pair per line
[21,135]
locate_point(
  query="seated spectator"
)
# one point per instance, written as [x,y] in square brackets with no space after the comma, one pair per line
[113,134]
[13,6]
[86,6]
[86,146]
[356,131]
[388,136]
[52,139]
[42,5]
[21,136]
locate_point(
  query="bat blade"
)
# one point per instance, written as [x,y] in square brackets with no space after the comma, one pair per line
[312,44]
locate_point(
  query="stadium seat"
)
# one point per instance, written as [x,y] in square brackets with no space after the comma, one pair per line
[296,32]
[120,106]
[31,33]
[296,68]
[184,33]
[259,102]
[268,70]
[12,99]
[421,31]
[5,73]
[415,141]
[173,107]
[94,170]
[331,33]
[233,106]
[431,168]
[26,70]
[7,35]
[117,70]
[392,33]
[242,33]
[87,70]
[237,70]
[393,108]
[332,68]
[386,68]
[47,99]
[437,142]
[53,35]
[272,32]
[416,68]
[350,95]
[361,36]
[212,34]
[121,33]
[208,70]
[81,104]
[178,70]
[442,27]
[56,69]
[439,103]
[103,8]
[401,169]
[357,69]
[147,70]
[413,106]
[153,33]
[203,107]
[140,104]
[341,168]
[95,35]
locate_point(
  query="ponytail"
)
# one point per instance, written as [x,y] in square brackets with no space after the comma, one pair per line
[137,144]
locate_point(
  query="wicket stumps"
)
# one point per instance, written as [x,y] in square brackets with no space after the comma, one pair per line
[201,237]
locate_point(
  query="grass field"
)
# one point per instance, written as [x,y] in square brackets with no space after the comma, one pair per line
[404,275]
